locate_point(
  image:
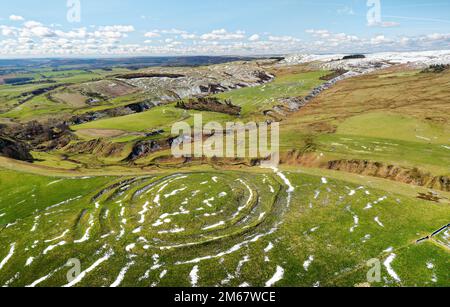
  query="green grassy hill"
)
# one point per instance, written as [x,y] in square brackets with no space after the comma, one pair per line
[158,221]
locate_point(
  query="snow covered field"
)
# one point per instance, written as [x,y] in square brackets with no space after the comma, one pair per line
[372,61]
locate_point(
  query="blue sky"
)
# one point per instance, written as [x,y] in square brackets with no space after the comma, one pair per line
[171,27]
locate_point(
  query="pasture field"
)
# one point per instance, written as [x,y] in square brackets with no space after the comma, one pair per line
[12,105]
[141,231]
[157,221]
[383,117]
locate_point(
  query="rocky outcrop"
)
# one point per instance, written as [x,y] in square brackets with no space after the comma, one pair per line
[142,149]
[210,104]
[150,75]
[14,149]
[137,107]
[174,83]
[40,136]
[406,175]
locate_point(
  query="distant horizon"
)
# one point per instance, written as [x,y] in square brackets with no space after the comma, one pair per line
[119,57]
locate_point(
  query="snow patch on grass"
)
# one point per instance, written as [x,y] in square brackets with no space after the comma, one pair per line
[276,277]
[58,237]
[377,220]
[221,223]
[86,235]
[194,276]
[8,256]
[388,265]
[83,274]
[121,275]
[143,212]
[308,262]
[268,248]
[52,247]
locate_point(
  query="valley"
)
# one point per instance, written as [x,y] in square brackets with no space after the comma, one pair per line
[87,173]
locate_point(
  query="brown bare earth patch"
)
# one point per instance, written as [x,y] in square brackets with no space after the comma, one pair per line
[412,176]
[289,70]
[72,98]
[334,74]
[97,147]
[108,88]
[100,133]
[429,197]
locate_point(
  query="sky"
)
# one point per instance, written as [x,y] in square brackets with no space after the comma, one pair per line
[107,28]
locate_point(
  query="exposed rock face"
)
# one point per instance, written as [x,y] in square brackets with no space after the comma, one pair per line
[141,149]
[144,148]
[376,169]
[211,104]
[170,84]
[14,149]
[137,107]
[40,136]
[150,75]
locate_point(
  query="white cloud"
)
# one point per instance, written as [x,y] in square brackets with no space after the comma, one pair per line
[152,34]
[283,39]
[436,37]
[223,34]
[16,18]
[380,39]
[254,38]
[117,28]
[173,31]
[80,33]
[7,31]
[36,39]
[32,24]
[333,39]
[319,33]
[188,36]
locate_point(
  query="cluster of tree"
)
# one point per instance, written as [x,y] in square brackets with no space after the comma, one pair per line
[437,68]
[354,56]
